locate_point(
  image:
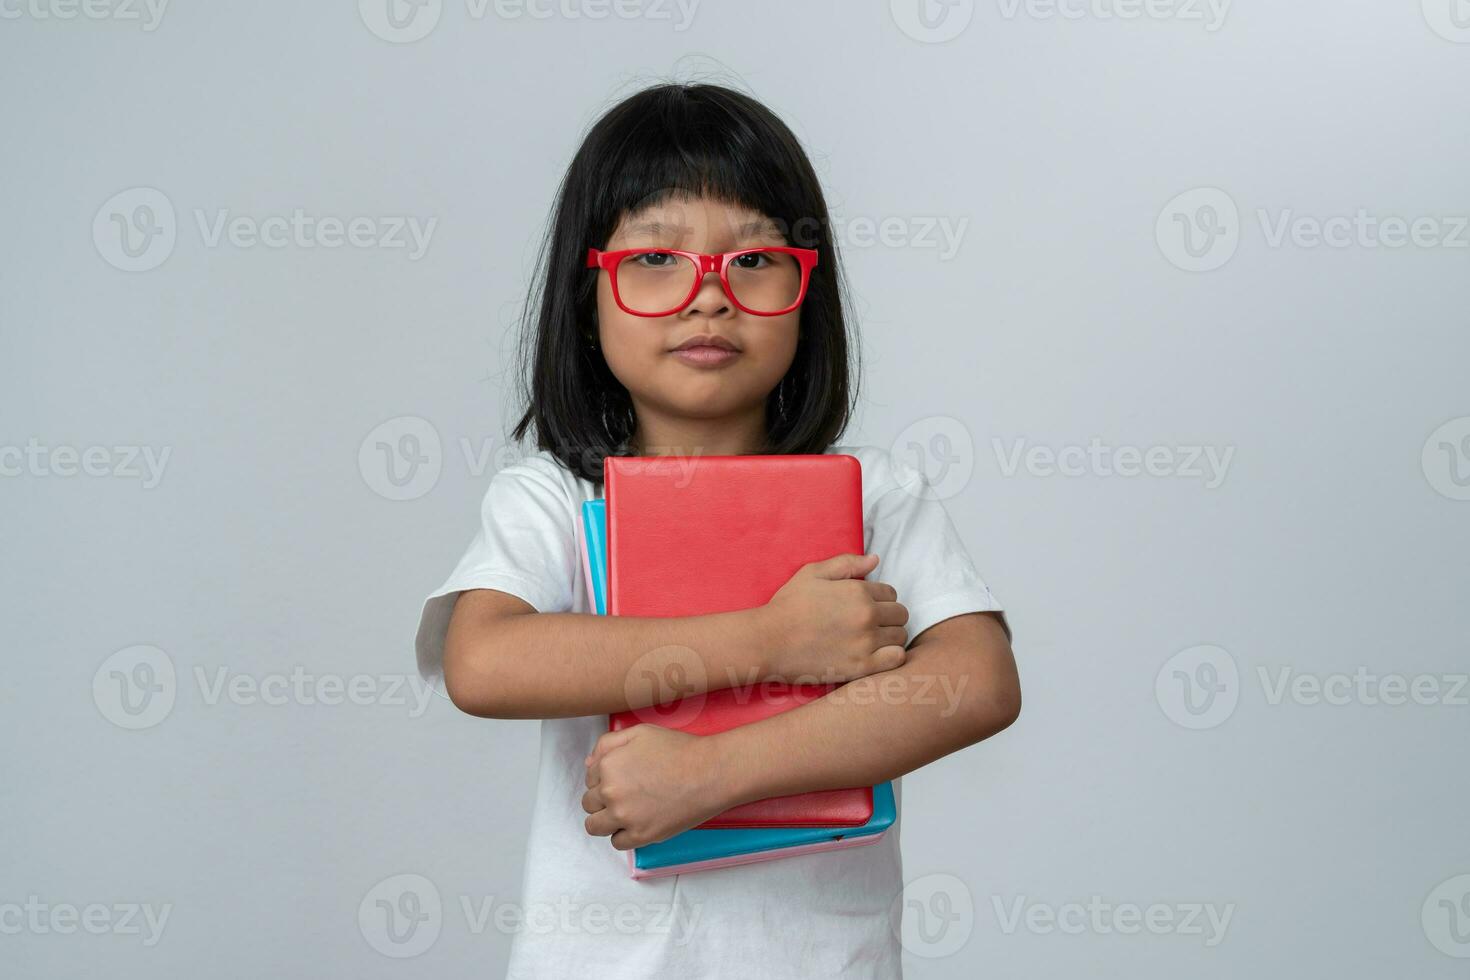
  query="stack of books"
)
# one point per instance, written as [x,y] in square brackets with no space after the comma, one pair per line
[694,535]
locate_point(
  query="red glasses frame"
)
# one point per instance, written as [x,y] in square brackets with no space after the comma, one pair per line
[706,263]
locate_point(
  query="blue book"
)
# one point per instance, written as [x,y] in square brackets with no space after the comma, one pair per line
[693,846]
[594,537]
[700,849]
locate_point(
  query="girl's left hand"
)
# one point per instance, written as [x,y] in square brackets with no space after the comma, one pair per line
[647,783]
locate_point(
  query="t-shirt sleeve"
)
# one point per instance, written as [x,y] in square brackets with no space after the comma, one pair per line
[920,553]
[526,545]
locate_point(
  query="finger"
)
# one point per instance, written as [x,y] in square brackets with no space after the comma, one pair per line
[844,566]
[623,840]
[892,614]
[594,775]
[609,741]
[891,636]
[889,657]
[592,801]
[601,824]
[880,591]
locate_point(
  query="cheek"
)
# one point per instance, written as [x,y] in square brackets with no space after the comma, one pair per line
[772,343]
[628,342]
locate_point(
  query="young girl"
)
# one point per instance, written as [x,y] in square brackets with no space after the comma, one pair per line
[645,352]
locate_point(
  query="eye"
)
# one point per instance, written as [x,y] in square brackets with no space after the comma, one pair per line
[752,260]
[656,260]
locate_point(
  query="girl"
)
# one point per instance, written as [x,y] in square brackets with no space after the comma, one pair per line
[645,352]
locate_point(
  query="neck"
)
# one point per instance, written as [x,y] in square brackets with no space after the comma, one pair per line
[736,435]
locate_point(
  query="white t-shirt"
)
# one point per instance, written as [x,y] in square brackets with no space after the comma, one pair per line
[813,915]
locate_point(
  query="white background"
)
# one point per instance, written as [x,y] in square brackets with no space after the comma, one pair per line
[1335,541]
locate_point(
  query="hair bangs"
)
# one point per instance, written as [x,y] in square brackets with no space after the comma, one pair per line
[687,143]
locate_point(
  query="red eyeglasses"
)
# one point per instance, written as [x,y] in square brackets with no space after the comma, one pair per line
[765,281]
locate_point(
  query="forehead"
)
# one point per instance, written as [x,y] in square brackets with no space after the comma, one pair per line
[682,217]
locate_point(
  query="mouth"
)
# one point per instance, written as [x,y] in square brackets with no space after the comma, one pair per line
[706,350]
[705,355]
[707,340]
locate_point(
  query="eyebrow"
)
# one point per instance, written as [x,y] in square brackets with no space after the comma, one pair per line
[655,227]
[755,226]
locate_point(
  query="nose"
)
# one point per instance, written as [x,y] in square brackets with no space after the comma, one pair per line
[710,298]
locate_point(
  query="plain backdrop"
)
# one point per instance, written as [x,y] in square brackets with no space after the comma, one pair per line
[209,704]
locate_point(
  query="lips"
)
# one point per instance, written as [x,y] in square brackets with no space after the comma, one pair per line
[706,355]
[707,340]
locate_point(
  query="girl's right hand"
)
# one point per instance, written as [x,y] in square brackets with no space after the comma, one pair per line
[828,625]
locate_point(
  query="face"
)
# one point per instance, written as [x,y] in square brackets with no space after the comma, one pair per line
[699,383]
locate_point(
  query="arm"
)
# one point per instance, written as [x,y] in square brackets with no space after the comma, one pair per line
[957,687]
[502,659]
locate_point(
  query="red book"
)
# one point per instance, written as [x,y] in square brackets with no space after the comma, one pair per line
[693,535]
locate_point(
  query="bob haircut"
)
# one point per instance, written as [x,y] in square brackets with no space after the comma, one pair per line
[670,140]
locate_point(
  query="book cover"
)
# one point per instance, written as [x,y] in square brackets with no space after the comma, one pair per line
[692,535]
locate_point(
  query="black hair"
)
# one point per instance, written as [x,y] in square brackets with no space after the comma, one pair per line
[701,140]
